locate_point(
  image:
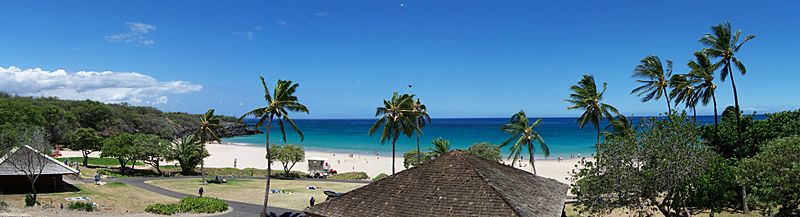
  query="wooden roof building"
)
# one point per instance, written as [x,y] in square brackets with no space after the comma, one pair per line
[455,184]
[14,180]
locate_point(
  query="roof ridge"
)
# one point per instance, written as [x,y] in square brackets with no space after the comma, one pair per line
[18,148]
[494,189]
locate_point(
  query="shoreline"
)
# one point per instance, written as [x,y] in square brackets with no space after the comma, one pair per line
[223,155]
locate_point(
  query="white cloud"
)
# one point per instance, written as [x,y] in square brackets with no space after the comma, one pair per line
[281,22]
[247,34]
[105,86]
[137,34]
[322,14]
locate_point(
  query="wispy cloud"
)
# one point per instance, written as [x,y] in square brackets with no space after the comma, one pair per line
[104,86]
[322,14]
[281,22]
[137,34]
[247,34]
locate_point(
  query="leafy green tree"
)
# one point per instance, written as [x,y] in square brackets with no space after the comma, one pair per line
[58,125]
[188,152]
[410,158]
[395,117]
[523,136]
[279,104]
[421,118]
[123,147]
[715,189]
[644,170]
[654,79]
[85,140]
[486,151]
[440,147]
[207,131]
[773,174]
[586,98]
[724,44]
[702,70]
[153,150]
[288,155]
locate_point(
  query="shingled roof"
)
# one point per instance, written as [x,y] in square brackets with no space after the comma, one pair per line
[54,167]
[455,184]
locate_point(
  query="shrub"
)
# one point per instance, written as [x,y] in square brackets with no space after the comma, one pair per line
[3,205]
[81,206]
[380,176]
[162,209]
[202,205]
[486,151]
[189,204]
[29,200]
[773,174]
[350,176]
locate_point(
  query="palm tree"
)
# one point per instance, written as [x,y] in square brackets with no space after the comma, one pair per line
[703,70]
[421,117]
[654,78]
[586,97]
[396,117]
[279,104]
[440,147]
[620,125]
[207,132]
[523,135]
[724,44]
[683,91]
[187,151]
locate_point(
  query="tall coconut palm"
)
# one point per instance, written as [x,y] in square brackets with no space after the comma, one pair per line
[421,118]
[654,79]
[207,131]
[586,97]
[396,117]
[683,91]
[440,147]
[523,136]
[703,70]
[724,44]
[620,125]
[279,104]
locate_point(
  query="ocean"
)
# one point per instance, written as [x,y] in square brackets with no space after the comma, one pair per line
[562,135]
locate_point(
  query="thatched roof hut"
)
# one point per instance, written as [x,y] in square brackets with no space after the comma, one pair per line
[455,184]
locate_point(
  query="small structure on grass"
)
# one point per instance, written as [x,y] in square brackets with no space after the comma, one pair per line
[454,184]
[316,165]
[24,161]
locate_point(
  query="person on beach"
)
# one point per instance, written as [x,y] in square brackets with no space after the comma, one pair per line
[234,163]
[559,159]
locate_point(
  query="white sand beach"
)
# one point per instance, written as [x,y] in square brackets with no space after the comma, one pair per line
[223,155]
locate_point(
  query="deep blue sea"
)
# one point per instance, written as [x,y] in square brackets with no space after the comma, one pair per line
[562,135]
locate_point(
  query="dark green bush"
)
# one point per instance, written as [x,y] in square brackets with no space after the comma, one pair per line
[189,204]
[202,205]
[350,176]
[162,209]
[81,206]
[29,200]
[380,176]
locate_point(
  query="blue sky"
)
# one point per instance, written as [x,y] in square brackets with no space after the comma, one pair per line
[463,58]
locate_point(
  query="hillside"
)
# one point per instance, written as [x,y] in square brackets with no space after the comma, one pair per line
[58,117]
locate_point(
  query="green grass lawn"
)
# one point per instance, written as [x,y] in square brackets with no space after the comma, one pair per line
[114,197]
[96,161]
[252,191]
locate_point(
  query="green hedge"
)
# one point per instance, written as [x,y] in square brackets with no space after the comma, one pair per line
[350,176]
[189,205]
[81,206]
[380,176]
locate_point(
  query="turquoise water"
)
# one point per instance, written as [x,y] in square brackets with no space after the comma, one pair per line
[562,135]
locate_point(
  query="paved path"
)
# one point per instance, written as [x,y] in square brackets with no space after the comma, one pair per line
[238,208]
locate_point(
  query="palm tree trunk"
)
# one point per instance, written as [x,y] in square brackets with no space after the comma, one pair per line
[203,170]
[597,146]
[530,153]
[264,212]
[394,142]
[669,107]
[419,158]
[716,120]
[694,114]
